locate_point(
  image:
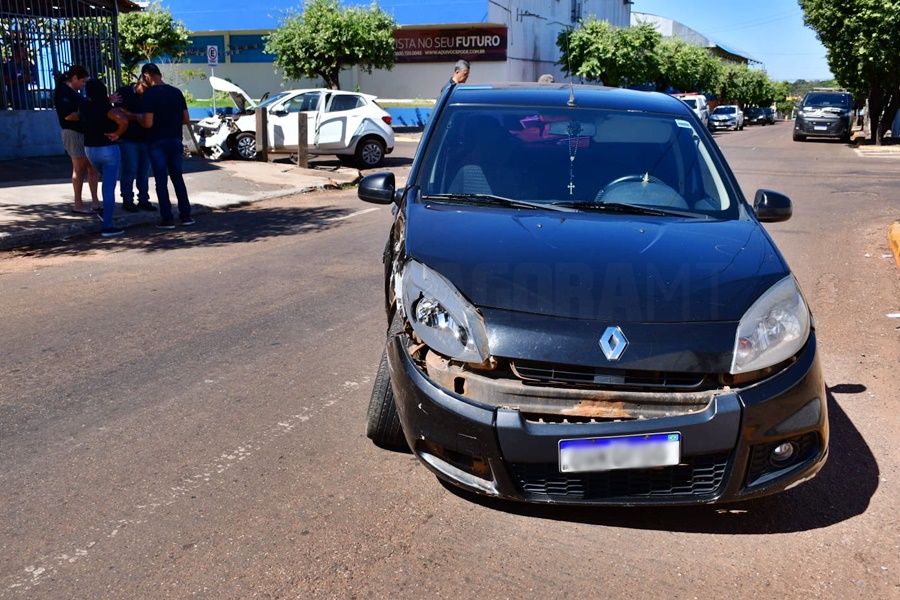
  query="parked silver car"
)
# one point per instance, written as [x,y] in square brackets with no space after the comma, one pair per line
[726,116]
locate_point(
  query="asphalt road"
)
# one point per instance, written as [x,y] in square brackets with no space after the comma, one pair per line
[182,414]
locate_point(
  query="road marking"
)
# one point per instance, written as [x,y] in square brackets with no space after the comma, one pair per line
[874,153]
[355,214]
[207,474]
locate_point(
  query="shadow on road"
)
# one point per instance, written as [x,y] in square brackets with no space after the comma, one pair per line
[230,226]
[841,490]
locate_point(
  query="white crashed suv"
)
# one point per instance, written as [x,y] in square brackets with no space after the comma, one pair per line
[350,125]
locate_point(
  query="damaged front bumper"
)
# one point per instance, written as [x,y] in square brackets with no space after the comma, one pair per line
[500,436]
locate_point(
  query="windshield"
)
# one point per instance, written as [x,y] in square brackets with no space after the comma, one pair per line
[274,99]
[574,156]
[725,110]
[838,100]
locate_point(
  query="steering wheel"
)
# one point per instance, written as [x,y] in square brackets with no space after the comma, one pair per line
[636,178]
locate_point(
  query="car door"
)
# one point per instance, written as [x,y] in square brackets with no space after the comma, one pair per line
[283,119]
[339,118]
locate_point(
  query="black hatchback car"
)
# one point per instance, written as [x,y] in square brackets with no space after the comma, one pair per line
[584,309]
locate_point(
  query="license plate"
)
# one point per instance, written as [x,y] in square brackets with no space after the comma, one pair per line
[820,127]
[624,452]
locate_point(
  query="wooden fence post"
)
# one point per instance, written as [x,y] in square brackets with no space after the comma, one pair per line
[262,134]
[302,147]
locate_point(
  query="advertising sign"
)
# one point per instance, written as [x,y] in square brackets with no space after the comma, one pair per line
[449,45]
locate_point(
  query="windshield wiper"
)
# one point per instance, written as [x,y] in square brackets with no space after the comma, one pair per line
[501,200]
[631,209]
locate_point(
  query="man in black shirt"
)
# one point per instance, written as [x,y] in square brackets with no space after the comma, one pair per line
[135,170]
[165,112]
[460,73]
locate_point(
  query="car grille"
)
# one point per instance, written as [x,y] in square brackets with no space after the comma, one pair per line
[547,373]
[695,476]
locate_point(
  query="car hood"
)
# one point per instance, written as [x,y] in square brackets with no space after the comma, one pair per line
[595,266]
[241,99]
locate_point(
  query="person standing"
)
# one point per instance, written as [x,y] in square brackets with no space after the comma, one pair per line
[18,72]
[135,170]
[165,113]
[103,124]
[460,73]
[67,99]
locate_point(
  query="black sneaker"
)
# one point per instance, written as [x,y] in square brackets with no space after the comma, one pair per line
[146,206]
[188,221]
[112,232]
[129,207]
[166,224]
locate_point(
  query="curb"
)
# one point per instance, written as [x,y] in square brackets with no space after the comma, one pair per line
[894,241]
[30,237]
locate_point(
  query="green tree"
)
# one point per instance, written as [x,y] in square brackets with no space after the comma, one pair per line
[599,51]
[863,51]
[326,38]
[148,34]
[687,67]
[744,86]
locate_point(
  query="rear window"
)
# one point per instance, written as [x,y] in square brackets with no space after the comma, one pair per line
[561,154]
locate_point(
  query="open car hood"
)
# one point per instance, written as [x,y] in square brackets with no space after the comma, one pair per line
[240,98]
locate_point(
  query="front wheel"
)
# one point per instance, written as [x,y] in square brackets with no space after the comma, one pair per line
[384,426]
[244,146]
[798,137]
[370,153]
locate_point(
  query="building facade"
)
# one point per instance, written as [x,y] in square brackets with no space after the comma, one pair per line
[512,40]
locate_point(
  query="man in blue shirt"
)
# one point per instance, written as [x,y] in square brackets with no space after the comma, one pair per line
[18,72]
[165,112]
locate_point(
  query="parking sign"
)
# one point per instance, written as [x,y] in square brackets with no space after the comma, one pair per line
[212,56]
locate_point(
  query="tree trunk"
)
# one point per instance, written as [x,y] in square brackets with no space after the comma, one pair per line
[876,108]
[887,118]
[332,79]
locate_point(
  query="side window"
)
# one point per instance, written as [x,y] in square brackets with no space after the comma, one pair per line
[345,102]
[303,102]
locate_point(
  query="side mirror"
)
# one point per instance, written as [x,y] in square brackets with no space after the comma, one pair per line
[377,188]
[772,207]
[278,111]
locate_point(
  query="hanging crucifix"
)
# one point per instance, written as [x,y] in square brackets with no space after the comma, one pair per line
[573,128]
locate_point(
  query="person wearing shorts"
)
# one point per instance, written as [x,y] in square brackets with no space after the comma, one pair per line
[67,100]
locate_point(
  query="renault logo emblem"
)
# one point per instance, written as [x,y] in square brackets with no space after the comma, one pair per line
[613,343]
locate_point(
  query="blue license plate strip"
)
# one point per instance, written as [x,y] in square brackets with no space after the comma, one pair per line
[620,452]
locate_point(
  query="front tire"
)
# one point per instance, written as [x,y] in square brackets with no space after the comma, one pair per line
[799,138]
[370,153]
[384,426]
[244,146]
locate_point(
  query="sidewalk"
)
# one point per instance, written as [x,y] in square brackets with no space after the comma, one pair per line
[36,195]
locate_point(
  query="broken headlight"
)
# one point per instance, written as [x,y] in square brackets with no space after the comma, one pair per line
[775,328]
[441,316]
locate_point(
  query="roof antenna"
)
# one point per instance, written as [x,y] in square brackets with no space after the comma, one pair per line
[571,101]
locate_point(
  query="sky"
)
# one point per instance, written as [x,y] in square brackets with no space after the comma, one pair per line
[771,31]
